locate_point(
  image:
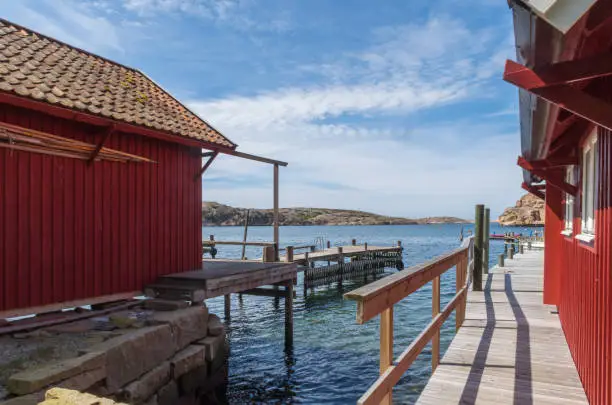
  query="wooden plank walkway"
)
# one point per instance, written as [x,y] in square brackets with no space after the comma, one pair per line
[511,348]
[331,254]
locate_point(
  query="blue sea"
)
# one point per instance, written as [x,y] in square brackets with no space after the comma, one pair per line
[333,359]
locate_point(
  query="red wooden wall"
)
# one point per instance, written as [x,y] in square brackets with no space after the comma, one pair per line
[584,274]
[70,231]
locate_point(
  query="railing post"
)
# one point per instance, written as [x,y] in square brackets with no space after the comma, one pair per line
[485,253]
[435,310]
[386,347]
[461,272]
[478,247]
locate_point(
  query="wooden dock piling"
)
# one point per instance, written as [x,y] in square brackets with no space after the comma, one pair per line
[487,230]
[500,260]
[478,247]
[511,253]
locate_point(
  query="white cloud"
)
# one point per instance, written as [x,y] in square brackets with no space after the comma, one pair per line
[69,21]
[337,160]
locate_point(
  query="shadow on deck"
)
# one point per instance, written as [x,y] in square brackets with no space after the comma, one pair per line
[511,348]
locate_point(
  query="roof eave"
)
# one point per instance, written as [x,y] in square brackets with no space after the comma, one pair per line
[98,120]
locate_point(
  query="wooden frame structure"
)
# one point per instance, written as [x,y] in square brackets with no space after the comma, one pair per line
[378,298]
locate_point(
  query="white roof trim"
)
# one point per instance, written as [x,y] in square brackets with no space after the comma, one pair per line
[561,14]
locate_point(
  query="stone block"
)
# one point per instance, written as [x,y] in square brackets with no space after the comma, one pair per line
[147,385]
[191,381]
[188,325]
[84,381]
[168,394]
[28,381]
[215,326]
[159,304]
[187,359]
[214,347]
[30,399]
[131,355]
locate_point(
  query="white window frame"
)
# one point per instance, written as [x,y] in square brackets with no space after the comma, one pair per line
[570,178]
[590,177]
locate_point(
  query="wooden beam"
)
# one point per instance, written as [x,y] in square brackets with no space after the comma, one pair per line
[207,154]
[206,165]
[533,191]
[253,157]
[570,137]
[386,349]
[107,133]
[552,178]
[559,73]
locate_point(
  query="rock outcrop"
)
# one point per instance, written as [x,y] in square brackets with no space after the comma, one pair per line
[215,214]
[528,211]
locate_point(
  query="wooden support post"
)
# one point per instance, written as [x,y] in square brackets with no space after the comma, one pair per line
[521,248]
[228,305]
[328,244]
[276,234]
[435,310]
[354,242]
[399,243]
[487,230]
[478,247]
[289,313]
[511,253]
[244,237]
[529,245]
[340,266]
[386,346]
[306,259]
[365,245]
[500,260]
[505,248]
[289,255]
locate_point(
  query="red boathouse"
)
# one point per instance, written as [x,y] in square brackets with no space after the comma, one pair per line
[100,168]
[564,72]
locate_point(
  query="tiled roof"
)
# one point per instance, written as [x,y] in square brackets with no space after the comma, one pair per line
[43,69]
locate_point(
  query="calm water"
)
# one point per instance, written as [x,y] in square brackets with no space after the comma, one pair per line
[334,360]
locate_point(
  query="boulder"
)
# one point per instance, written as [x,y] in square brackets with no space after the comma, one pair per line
[32,380]
[147,385]
[187,359]
[188,325]
[61,396]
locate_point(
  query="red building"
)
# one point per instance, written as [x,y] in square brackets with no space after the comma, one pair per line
[100,168]
[563,72]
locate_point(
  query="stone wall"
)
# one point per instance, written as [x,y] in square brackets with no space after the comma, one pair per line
[169,354]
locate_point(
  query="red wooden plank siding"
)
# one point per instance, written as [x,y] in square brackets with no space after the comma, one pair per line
[71,231]
[584,274]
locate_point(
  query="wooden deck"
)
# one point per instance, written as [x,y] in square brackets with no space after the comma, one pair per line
[221,277]
[511,349]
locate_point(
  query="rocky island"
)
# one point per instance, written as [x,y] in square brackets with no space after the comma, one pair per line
[528,211]
[215,214]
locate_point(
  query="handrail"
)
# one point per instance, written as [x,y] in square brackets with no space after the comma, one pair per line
[380,296]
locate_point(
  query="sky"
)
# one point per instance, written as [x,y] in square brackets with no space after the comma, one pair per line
[395,107]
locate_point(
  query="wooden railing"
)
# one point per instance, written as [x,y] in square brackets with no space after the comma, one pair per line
[380,296]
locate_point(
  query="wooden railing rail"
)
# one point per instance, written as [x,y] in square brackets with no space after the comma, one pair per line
[380,296]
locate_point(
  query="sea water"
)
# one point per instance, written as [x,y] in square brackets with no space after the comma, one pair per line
[333,360]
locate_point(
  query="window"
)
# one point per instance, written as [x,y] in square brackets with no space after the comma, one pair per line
[589,188]
[570,178]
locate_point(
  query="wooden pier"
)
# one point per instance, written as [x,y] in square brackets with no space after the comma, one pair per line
[511,348]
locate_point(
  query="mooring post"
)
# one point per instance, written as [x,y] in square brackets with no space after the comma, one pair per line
[521,248]
[269,253]
[354,242]
[399,243]
[505,248]
[289,312]
[365,245]
[289,255]
[500,260]
[511,253]
[529,245]
[306,259]
[328,244]
[478,247]
[487,228]
[340,266]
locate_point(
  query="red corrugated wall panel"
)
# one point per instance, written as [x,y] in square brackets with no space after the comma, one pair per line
[584,299]
[71,231]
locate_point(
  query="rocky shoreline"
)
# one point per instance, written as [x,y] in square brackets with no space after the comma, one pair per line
[215,214]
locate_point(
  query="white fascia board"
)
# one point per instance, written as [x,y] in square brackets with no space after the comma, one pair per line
[561,14]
